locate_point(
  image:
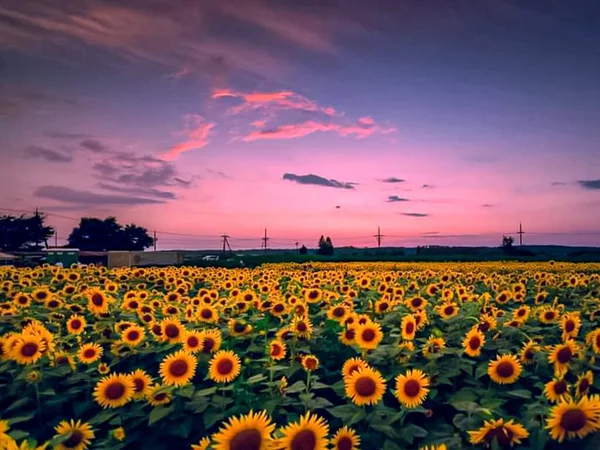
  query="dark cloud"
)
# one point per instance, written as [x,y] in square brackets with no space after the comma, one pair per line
[182,182]
[415,214]
[393,180]
[427,186]
[48,154]
[150,192]
[87,198]
[317,181]
[395,198]
[558,183]
[487,205]
[132,170]
[17,100]
[93,145]
[430,233]
[218,173]
[64,135]
[591,185]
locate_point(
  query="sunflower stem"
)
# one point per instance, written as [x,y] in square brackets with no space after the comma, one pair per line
[308,381]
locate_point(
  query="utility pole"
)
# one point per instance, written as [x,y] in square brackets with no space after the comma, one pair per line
[154,240]
[297,246]
[226,242]
[265,241]
[520,233]
[378,236]
[55,238]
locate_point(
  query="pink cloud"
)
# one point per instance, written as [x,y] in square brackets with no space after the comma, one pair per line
[259,123]
[182,73]
[197,132]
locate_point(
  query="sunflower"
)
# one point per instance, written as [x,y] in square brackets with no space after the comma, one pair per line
[352,365]
[434,447]
[211,340]
[41,294]
[133,335]
[250,432]
[309,433]
[338,312]
[239,327]
[114,391]
[505,369]
[411,389]
[593,339]
[119,434]
[570,419]
[433,346]
[80,435]
[584,381]
[548,315]
[89,353]
[27,349]
[97,301]
[277,349]
[158,395]
[302,327]
[21,300]
[345,439]
[172,330]
[278,309]
[142,383]
[504,433]
[473,342]
[563,354]
[203,444]
[408,327]
[447,310]
[528,352]
[348,336]
[557,390]
[522,313]
[570,324]
[486,322]
[207,313]
[310,363]
[192,341]
[224,366]
[368,335]
[178,368]
[365,386]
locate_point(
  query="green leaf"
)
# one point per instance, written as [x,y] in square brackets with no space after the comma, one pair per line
[187,391]
[212,417]
[390,445]
[298,386]
[386,429]
[357,417]
[343,411]
[17,404]
[159,412]
[256,378]
[104,416]
[519,393]
[318,385]
[20,419]
[59,439]
[17,435]
[205,392]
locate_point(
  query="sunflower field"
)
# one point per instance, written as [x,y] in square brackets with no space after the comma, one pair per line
[301,357]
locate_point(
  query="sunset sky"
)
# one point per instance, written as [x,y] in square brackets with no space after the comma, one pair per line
[442,122]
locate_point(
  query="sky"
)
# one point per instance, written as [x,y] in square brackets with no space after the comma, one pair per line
[441,122]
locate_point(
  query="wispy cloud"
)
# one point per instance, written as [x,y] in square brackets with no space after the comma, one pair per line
[558,183]
[427,186]
[64,135]
[591,185]
[144,192]
[197,130]
[415,214]
[395,198]
[87,198]
[488,205]
[93,145]
[393,180]
[48,154]
[318,181]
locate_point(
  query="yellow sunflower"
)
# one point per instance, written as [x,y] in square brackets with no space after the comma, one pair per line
[309,433]
[207,313]
[563,354]
[368,335]
[27,349]
[528,352]
[224,366]
[211,340]
[434,447]
[114,391]
[447,310]
[192,341]
[338,312]
[202,445]
[348,336]
[252,432]
[557,390]
[142,383]
[570,324]
[277,349]
[504,433]
[76,324]
[89,353]
[80,435]
[473,342]
[584,381]
[408,327]
[158,395]
[133,336]
[352,365]
[98,302]
[302,327]
[505,369]
[345,439]
[172,330]
[412,388]
[365,386]
[178,368]
[570,419]
[433,346]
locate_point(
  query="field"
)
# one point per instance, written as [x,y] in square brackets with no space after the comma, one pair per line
[286,356]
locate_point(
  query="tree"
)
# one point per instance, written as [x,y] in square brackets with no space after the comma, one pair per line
[303,250]
[103,235]
[507,243]
[325,246]
[24,233]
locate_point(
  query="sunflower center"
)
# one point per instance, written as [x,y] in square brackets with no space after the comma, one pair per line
[521,313]
[505,369]
[528,355]
[301,327]
[208,345]
[584,384]
[206,313]
[368,335]
[29,349]
[573,420]
[133,335]
[549,315]
[240,327]
[474,342]
[502,435]
[278,308]
[313,294]
[138,385]
[52,304]
[416,302]
[97,299]
[74,440]
[449,310]
[115,391]
[564,355]
[89,353]
[160,397]
[225,366]
[76,324]
[412,388]
[569,326]
[171,331]
[344,443]
[410,327]
[178,368]
[304,440]
[246,440]
[598,340]
[276,350]
[338,312]
[192,341]
[560,387]
[485,326]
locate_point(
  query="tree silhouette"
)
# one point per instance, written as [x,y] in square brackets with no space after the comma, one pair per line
[303,250]
[507,243]
[103,235]
[24,233]
[325,246]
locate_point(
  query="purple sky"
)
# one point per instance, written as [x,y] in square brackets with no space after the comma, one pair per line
[442,122]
